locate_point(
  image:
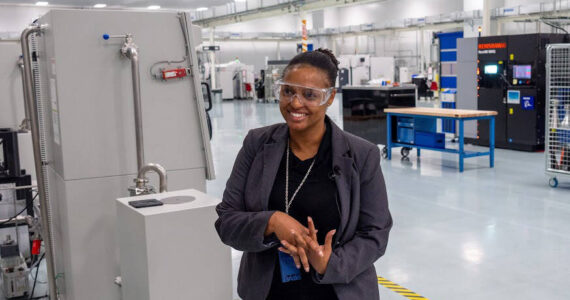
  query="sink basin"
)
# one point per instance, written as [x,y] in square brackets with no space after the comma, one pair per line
[178,199]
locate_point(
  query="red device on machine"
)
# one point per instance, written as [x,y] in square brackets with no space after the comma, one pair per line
[174,73]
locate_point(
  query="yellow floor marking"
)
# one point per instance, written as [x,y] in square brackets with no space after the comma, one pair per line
[399,289]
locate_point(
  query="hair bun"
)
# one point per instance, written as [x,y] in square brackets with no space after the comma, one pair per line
[329,53]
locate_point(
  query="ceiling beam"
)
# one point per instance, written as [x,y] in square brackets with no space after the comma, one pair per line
[277,10]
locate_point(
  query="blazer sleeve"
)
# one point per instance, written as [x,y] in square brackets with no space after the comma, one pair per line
[238,228]
[371,237]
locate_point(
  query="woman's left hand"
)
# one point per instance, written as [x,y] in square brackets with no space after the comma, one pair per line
[318,255]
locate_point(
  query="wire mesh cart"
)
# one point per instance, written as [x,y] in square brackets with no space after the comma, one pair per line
[557,154]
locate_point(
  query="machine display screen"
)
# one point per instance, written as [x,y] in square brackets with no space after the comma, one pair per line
[491,69]
[522,71]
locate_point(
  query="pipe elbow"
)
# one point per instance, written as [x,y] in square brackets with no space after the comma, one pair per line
[158,169]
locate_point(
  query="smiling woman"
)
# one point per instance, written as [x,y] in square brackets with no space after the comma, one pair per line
[305,195]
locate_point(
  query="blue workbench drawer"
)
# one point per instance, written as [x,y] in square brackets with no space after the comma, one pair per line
[430,139]
[405,122]
[405,135]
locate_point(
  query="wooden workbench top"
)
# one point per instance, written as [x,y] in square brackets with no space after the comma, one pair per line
[441,112]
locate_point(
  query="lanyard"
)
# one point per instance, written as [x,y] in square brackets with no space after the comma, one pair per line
[287,201]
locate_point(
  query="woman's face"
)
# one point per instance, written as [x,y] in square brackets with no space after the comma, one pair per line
[298,116]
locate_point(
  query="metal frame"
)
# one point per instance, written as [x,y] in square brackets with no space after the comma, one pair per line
[557,132]
[461,151]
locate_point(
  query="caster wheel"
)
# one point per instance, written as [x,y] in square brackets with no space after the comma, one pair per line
[385,152]
[553,182]
[405,151]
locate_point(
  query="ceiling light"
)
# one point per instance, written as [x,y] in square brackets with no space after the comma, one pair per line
[154,7]
[100,5]
[42,3]
[201,8]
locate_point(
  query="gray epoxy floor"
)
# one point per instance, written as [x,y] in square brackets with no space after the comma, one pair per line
[499,233]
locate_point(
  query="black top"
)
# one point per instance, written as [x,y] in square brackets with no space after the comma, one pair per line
[317,199]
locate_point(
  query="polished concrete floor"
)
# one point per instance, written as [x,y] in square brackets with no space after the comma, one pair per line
[499,233]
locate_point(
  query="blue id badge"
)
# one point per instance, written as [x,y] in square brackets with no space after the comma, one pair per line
[289,271]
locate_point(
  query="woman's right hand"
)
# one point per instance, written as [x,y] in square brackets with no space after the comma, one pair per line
[285,227]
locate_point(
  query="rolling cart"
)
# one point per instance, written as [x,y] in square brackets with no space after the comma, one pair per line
[557,154]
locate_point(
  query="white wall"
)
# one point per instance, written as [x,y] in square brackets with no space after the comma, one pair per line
[285,23]
[254,53]
[390,10]
[14,19]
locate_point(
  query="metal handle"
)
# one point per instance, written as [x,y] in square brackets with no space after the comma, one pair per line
[402,95]
[207,85]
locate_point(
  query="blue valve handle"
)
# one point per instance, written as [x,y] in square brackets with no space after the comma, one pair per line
[106,36]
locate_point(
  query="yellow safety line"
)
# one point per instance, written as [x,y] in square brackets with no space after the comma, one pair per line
[399,289]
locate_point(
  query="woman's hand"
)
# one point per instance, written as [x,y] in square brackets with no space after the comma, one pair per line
[318,255]
[285,227]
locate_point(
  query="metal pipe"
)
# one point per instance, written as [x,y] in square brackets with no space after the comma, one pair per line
[25,125]
[158,169]
[41,180]
[21,187]
[130,50]
[15,220]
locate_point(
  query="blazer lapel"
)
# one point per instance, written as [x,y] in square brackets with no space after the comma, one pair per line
[272,153]
[342,167]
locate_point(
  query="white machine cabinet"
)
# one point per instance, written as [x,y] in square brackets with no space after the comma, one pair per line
[86,94]
[173,251]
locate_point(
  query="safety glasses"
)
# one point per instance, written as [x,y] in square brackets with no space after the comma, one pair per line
[308,96]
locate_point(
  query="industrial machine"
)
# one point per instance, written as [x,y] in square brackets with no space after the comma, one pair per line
[363,109]
[232,78]
[14,270]
[16,201]
[358,66]
[511,81]
[273,72]
[96,131]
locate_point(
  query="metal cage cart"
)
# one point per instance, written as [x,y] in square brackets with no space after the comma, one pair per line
[557,154]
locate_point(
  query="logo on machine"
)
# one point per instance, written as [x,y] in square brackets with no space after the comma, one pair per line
[490,48]
[527,102]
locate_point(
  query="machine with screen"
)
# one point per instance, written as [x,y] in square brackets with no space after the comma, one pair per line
[522,71]
[511,81]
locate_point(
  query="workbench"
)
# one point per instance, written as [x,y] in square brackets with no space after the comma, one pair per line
[418,114]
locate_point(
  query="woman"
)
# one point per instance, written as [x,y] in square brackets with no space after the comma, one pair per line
[306,201]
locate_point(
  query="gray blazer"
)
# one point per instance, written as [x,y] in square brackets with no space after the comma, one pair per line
[365,219]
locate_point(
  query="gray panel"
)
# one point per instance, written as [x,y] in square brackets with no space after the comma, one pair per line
[94,94]
[11,98]
[467,49]
[467,80]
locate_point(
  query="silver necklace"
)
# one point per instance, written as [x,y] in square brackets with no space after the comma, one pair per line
[287,201]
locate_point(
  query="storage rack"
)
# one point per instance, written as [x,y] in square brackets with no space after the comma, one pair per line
[557,154]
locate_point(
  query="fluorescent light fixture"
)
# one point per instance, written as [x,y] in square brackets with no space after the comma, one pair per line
[154,7]
[42,3]
[201,9]
[100,5]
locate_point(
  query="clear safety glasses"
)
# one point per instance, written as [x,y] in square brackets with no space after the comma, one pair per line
[308,96]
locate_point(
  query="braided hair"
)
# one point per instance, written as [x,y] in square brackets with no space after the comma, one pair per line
[321,58]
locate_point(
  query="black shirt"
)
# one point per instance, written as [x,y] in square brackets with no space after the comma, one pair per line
[317,198]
